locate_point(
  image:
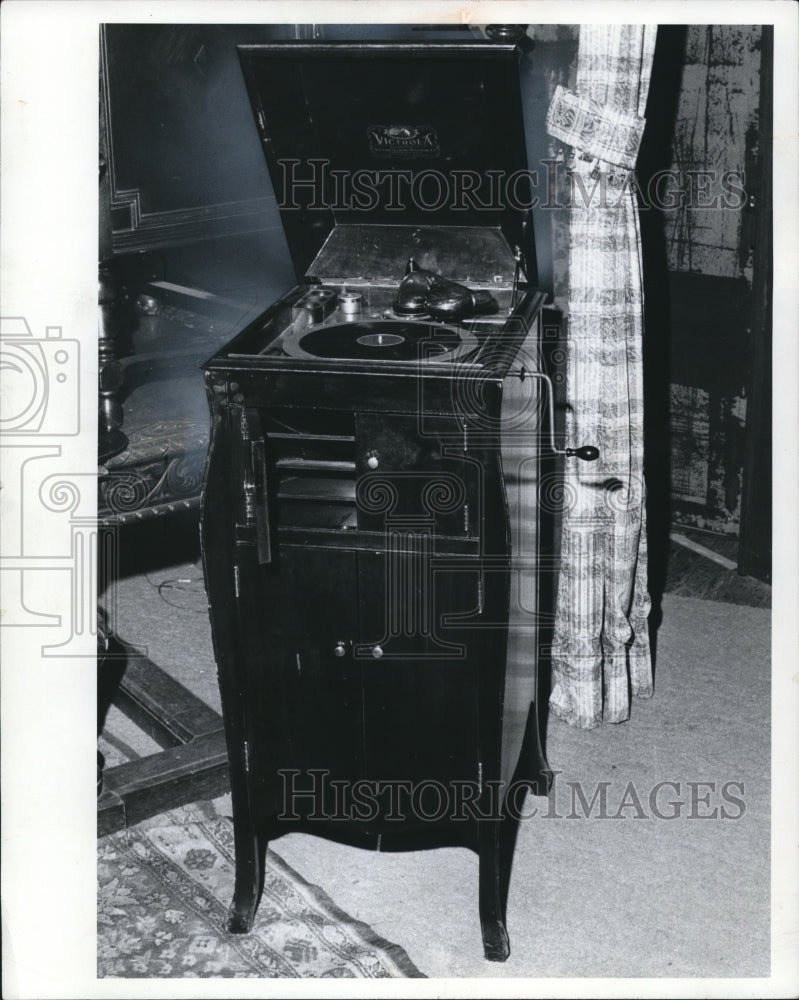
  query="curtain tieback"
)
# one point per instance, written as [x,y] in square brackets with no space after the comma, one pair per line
[598,132]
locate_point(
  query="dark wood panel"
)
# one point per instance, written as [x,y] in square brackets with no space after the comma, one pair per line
[421,719]
[310,612]
[183,158]
[420,461]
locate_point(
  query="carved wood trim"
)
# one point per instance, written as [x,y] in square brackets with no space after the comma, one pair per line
[162,229]
[134,229]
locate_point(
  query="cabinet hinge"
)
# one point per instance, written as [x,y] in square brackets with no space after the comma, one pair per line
[246,755]
[480,594]
[479,777]
[236,581]
[244,423]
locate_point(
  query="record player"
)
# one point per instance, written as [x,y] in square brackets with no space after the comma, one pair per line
[370,518]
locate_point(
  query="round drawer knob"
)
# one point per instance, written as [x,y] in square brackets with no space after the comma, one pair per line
[377,652]
[340,649]
[373,461]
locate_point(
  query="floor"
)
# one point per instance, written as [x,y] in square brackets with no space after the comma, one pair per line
[710,574]
[165,577]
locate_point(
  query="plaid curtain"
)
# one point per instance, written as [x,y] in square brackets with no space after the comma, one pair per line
[601,652]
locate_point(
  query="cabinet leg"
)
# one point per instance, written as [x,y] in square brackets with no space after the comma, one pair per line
[250,857]
[492,913]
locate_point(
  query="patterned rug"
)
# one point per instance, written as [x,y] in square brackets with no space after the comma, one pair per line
[163,891]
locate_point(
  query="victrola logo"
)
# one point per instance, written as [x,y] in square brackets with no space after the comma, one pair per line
[403,140]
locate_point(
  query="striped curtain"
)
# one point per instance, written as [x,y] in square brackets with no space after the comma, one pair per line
[600,655]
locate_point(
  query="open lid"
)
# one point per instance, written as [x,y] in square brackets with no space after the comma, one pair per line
[395,134]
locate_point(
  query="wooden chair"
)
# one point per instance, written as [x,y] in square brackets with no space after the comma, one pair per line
[153,439]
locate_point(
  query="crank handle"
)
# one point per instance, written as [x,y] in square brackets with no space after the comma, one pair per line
[588,452]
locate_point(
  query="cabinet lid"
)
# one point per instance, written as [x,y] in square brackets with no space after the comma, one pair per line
[388,134]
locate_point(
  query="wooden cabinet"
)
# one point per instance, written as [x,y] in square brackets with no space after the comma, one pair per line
[370,504]
[358,556]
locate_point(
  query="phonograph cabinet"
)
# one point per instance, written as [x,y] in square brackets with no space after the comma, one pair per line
[370,517]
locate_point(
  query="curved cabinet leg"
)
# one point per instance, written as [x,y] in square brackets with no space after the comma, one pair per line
[250,857]
[492,912]
[230,630]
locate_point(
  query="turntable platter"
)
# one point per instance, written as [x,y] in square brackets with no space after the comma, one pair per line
[383,340]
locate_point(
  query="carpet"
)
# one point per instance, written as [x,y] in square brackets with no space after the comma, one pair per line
[163,892]
[589,897]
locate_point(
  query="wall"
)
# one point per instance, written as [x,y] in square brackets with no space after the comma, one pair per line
[715,130]
[709,251]
[700,342]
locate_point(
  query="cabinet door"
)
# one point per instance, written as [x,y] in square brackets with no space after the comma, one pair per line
[411,465]
[311,617]
[419,668]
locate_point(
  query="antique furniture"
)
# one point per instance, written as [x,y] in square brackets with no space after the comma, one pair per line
[150,470]
[370,515]
[152,445]
[150,483]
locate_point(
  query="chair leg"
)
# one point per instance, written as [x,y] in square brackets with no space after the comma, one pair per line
[111,441]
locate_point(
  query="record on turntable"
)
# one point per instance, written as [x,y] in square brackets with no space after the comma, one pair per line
[382,340]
